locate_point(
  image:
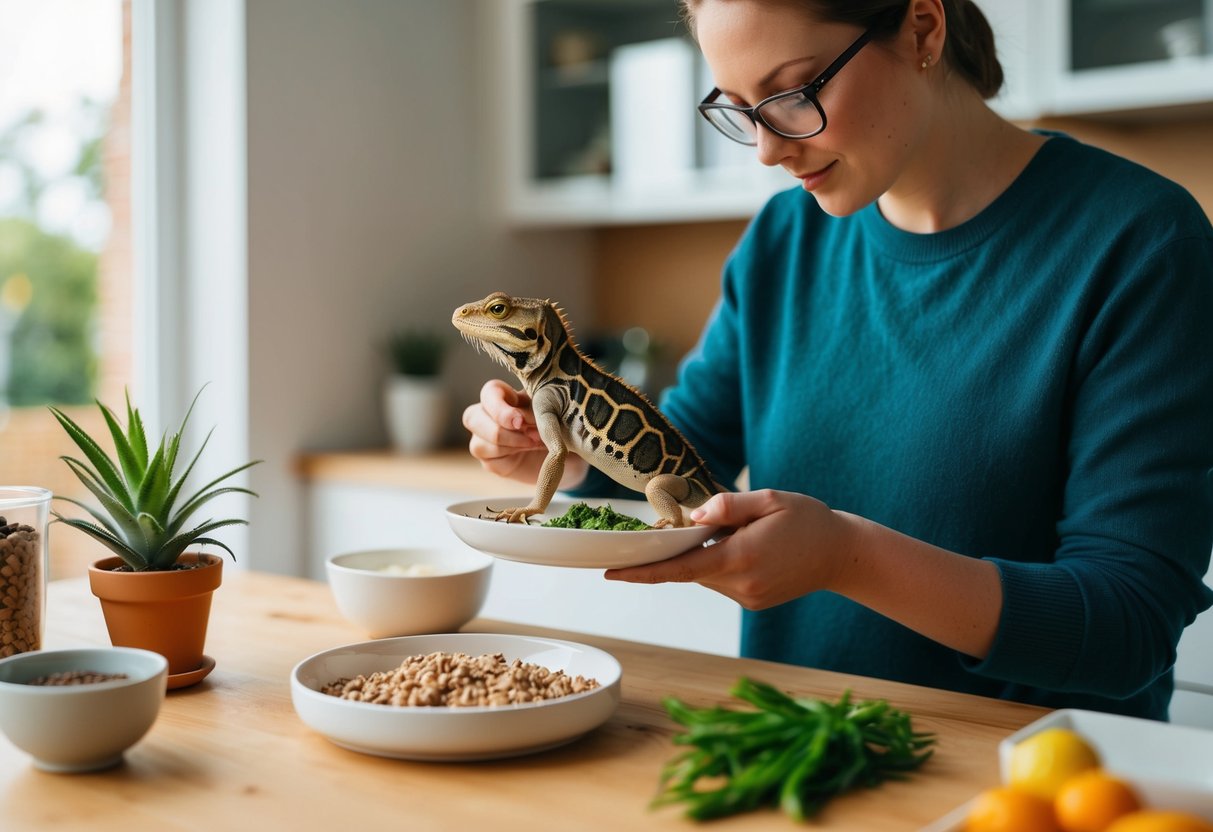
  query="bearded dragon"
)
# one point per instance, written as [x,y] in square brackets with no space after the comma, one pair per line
[582,408]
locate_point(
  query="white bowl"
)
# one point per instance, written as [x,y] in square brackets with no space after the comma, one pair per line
[450,733]
[73,728]
[374,590]
[589,548]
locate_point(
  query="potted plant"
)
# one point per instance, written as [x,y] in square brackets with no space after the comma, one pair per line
[154,593]
[416,401]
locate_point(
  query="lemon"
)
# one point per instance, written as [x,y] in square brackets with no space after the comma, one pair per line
[1043,761]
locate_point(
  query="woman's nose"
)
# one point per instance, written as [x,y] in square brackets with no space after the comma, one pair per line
[772,147]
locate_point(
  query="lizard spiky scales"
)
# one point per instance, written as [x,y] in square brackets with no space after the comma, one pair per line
[580,407]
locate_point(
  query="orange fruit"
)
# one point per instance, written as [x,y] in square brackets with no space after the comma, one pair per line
[1156,820]
[1010,810]
[1043,761]
[1090,801]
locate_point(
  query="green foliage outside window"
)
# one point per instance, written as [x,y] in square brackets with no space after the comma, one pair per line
[48,281]
[49,285]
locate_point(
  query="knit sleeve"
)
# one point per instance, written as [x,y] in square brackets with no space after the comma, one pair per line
[1136,521]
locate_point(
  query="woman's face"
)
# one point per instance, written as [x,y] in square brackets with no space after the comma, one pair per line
[876,106]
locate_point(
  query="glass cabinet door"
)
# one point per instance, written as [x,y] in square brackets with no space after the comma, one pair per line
[1108,33]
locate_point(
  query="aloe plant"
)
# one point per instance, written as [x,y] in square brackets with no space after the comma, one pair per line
[142,518]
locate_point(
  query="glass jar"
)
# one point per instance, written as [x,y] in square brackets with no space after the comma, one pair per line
[24,512]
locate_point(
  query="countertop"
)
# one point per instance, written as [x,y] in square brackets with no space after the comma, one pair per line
[231,754]
[451,469]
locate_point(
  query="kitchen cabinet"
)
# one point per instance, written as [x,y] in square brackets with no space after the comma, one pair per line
[1126,57]
[596,98]
[601,126]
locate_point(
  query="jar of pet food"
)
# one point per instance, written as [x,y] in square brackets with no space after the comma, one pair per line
[24,512]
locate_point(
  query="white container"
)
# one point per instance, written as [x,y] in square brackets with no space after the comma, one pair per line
[653,114]
[416,409]
[24,511]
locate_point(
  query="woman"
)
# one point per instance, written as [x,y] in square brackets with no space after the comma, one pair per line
[967,366]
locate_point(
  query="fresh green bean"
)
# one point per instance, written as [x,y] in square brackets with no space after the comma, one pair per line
[795,753]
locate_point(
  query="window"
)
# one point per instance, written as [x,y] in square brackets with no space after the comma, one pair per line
[65,222]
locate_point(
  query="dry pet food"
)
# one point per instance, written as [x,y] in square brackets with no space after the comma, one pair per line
[75,677]
[20,588]
[459,680]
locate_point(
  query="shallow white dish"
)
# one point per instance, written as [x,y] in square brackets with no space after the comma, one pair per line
[453,734]
[1170,766]
[588,548]
[395,603]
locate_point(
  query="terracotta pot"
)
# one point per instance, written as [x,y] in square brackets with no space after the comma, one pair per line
[162,611]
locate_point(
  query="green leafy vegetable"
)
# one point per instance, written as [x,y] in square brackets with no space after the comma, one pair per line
[581,516]
[794,753]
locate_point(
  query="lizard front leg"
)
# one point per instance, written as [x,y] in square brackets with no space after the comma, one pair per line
[550,472]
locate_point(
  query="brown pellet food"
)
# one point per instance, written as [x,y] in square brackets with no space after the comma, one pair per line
[20,588]
[459,680]
[75,677]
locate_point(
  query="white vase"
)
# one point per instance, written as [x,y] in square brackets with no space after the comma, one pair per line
[416,408]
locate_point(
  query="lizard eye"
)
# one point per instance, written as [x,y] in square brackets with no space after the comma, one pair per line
[499,310]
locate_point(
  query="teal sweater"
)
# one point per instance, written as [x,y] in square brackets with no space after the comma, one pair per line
[1033,387]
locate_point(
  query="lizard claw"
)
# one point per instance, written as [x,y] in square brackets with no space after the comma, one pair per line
[516,515]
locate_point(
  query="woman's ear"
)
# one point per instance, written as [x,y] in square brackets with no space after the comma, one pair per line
[927,28]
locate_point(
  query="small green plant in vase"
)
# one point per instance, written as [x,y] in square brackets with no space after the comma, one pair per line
[416,402]
[145,520]
[417,352]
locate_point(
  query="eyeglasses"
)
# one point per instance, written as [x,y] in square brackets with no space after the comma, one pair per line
[795,114]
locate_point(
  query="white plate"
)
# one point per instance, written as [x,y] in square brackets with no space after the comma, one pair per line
[590,548]
[1170,766]
[451,734]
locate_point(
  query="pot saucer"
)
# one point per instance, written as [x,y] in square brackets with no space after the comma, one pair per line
[191,677]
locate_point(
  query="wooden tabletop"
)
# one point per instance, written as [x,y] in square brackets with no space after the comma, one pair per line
[230,753]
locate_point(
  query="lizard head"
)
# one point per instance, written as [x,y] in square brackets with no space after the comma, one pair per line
[515,332]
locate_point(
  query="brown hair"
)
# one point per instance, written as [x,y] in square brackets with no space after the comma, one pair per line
[969,48]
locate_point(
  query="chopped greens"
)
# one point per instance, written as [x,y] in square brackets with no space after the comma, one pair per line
[582,516]
[791,753]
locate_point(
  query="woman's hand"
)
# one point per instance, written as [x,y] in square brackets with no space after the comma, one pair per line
[504,437]
[785,545]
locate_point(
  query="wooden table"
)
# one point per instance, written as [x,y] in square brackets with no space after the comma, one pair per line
[230,753]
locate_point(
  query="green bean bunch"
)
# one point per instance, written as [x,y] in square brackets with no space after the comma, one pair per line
[791,752]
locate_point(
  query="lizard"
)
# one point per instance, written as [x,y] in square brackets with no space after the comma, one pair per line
[582,408]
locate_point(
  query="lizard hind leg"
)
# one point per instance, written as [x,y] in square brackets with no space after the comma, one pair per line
[665,493]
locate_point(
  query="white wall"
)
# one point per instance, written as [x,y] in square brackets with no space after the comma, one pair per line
[371,187]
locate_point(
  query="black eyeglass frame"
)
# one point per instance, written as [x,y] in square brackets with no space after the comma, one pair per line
[809,91]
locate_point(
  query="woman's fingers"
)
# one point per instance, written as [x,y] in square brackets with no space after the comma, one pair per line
[734,509]
[694,565]
[506,406]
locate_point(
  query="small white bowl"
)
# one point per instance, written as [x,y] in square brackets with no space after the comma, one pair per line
[410,591]
[74,728]
[455,733]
